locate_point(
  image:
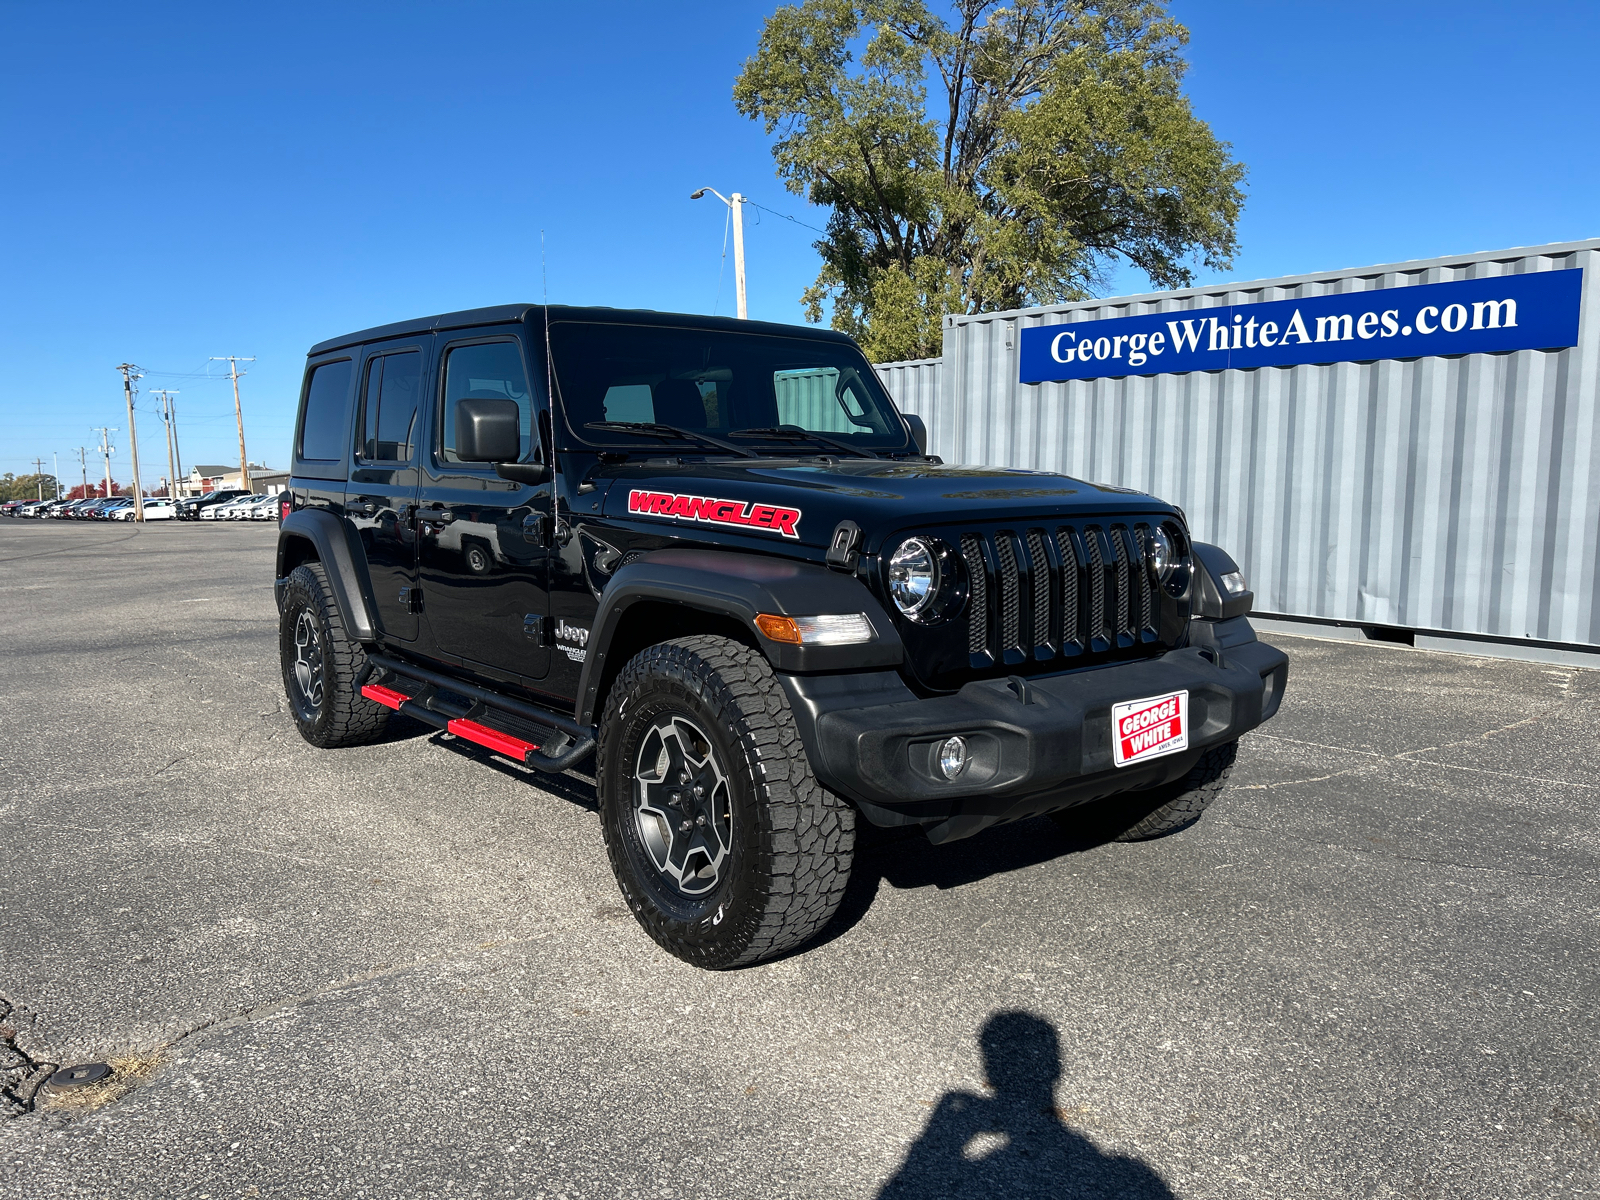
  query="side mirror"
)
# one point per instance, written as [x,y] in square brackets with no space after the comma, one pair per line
[919,431]
[488,431]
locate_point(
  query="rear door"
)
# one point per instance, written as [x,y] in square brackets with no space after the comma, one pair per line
[483,542]
[381,499]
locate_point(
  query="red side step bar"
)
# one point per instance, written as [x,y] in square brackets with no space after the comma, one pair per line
[502,743]
[385,696]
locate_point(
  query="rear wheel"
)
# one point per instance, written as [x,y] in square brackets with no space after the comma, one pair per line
[1140,816]
[725,846]
[321,663]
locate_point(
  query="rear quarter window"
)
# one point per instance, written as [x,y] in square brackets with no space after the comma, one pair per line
[326,416]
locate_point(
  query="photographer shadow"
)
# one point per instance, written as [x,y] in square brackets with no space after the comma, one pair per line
[1013,1142]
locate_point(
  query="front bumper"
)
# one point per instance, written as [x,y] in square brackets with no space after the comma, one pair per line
[1033,749]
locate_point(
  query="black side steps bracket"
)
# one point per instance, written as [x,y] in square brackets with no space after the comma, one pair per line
[571,744]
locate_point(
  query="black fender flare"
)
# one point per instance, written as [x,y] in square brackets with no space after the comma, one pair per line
[345,563]
[1211,600]
[737,585]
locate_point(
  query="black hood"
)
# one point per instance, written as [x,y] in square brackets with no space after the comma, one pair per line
[799,501]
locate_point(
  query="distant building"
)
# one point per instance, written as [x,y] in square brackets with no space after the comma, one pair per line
[210,478]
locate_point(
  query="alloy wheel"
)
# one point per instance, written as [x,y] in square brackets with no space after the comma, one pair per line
[308,659]
[683,805]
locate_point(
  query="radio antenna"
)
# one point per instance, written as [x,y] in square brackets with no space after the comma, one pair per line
[549,370]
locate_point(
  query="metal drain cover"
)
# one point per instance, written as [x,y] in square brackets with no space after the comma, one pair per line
[78,1076]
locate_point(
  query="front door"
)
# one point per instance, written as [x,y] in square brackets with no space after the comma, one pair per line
[483,541]
[382,496]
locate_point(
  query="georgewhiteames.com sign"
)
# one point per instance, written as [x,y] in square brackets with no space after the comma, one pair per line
[1536,311]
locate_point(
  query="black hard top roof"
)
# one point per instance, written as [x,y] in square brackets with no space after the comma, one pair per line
[506,313]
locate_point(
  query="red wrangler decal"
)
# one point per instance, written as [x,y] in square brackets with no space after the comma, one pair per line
[712,511]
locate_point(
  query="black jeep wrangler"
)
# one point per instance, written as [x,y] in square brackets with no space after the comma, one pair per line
[711,554]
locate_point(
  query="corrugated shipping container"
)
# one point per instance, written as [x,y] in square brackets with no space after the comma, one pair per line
[1457,494]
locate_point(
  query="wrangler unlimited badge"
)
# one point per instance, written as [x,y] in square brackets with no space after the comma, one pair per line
[717,512]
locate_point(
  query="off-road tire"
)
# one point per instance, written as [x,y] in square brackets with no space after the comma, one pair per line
[1140,816]
[344,717]
[792,839]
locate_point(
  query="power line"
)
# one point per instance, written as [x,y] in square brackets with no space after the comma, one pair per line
[786,217]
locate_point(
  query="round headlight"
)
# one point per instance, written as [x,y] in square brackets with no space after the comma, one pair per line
[1162,556]
[913,577]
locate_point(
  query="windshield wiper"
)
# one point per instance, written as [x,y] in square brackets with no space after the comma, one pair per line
[795,433]
[668,432]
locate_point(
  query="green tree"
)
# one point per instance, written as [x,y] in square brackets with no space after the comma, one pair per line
[27,487]
[1057,138]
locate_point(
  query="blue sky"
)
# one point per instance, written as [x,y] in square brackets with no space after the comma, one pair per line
[182,181]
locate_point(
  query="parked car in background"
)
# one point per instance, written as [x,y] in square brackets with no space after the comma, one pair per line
[221,512]
[239,510]
[190,510]
[154,510]
[105,508]
[264,509]
[10,507]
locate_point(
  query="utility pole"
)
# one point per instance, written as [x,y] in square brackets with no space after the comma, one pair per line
[38,475]
[107,450]
[233,361]
[172,461]
[129,374]
[83,465]
[736,204]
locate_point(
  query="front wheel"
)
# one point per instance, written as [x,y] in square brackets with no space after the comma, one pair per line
[726,848]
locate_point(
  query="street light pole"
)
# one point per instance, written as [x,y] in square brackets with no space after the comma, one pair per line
[736,204]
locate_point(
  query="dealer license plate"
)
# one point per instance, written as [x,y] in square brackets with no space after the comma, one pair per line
[1150,728]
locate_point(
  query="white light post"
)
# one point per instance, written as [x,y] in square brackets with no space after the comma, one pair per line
[736,204]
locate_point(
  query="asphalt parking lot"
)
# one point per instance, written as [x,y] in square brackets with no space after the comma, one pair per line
[404,970]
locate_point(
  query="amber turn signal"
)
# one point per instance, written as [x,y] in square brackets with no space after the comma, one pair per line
[828,629]
[779,629]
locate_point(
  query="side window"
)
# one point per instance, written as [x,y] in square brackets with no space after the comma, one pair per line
[389,407]
[327,396]
[487,371]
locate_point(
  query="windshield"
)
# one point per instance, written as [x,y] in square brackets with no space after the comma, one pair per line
[763,390]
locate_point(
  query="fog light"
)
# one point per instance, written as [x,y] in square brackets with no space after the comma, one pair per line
[1233,583]
[953,757]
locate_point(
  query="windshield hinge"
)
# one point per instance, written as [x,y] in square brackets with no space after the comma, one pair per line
[844,547]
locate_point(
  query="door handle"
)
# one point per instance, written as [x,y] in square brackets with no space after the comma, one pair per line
[434,516]
[361,508]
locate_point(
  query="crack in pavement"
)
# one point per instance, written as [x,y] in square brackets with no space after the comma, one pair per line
[1404,759]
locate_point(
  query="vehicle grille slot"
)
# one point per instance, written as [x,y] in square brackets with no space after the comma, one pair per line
[1069,587]
[1039,566]
[1097,583]
[978,605]
[1010,595]
[1140,547]
[1119,547]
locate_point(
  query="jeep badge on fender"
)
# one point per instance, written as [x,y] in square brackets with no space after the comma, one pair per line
[574,534]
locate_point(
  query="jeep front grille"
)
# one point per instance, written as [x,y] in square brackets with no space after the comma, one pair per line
[1036,594]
